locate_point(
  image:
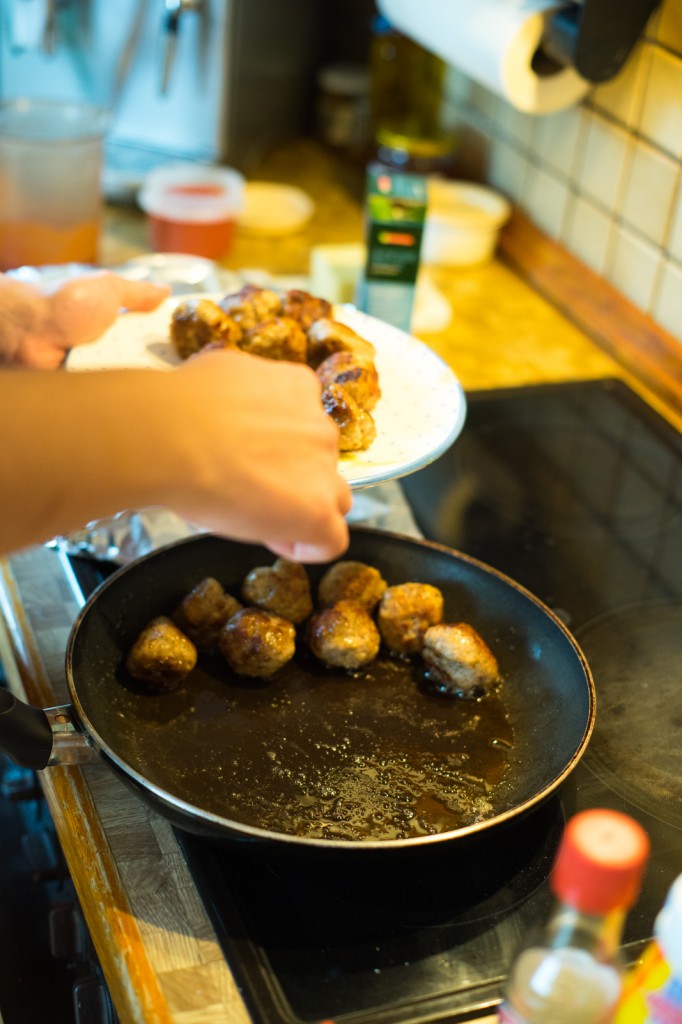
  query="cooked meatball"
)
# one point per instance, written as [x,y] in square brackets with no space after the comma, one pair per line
[196,323]
[352,581]
[458,658]
[162,656]
[251,305]
[304,307]
[327,336]
[277,338]
[257,643]
[283,588]
[343,635]
[357,429]
[357,375]
[405,613]
[203,612]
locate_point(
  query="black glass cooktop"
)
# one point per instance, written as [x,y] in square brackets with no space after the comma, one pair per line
[575,491]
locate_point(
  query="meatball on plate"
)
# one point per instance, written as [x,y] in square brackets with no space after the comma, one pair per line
[417,404]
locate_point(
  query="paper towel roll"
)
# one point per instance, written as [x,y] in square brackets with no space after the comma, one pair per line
[493,42]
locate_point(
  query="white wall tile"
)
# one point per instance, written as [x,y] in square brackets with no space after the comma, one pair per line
[660,120]
[669,25]
[557,140]
[507,170]
[587,233]
[674,244]
[668,306]
[631,266]
[517,125]
[603,149]
[545,200]
[648,194]
[621,97]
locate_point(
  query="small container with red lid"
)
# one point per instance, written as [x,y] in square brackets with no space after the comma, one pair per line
[192,208]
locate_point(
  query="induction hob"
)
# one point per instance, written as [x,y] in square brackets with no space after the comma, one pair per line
[575,491]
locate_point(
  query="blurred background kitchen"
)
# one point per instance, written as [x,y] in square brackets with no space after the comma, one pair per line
[231,81]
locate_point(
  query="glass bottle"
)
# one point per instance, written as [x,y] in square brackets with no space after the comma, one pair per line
[572,974]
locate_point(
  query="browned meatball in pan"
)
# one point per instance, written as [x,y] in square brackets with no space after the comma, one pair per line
[283,588]
[257,643]
[327,336]
[196,323]
[405,613]
[203,612]
[458,658]
[277,338]
[251,305]
[358,376]
[304,307]
[343,636]
[357,429]
[162,656]
[350,580]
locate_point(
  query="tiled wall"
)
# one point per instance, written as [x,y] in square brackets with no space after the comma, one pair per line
[603,178]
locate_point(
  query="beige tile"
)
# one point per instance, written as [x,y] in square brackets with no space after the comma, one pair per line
[669,25]
[649,191]
[668,303]
[660,120]
[602,157]
[587,233]
[621,97]
[518,126]
[632,266]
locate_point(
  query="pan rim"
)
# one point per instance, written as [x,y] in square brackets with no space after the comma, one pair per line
[238,830]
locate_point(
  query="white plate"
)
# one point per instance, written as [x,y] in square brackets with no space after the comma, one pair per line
[420,413]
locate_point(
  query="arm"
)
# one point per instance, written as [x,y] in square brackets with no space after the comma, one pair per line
[237,444]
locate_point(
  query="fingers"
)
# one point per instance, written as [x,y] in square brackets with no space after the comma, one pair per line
[326,549]
[139,296]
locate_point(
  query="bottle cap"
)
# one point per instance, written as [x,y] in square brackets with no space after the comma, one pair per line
[600,862]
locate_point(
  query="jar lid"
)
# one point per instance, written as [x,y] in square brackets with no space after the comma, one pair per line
[600,862]
[425,147]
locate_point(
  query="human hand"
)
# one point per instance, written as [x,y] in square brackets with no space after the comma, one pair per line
[260,455]
[37,330]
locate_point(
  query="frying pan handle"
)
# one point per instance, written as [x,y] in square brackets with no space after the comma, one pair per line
[25,733]
[36,738]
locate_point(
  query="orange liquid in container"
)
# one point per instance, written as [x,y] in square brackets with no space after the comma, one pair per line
[37,242]
[209,238]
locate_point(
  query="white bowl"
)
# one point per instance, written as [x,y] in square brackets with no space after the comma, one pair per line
[463,222]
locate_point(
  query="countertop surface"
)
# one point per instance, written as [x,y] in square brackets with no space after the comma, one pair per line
[155,943]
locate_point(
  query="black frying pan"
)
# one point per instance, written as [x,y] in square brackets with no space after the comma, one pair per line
[318,757]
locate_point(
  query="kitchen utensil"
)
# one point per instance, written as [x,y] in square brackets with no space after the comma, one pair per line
[221,749]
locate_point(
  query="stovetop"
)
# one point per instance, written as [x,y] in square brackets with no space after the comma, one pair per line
[575,491]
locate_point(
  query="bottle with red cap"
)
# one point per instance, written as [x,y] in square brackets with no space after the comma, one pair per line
[573,975]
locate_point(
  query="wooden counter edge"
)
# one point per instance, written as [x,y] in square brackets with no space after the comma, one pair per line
[627,334]
[116,936]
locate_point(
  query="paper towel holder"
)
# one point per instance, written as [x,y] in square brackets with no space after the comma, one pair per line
[596,36]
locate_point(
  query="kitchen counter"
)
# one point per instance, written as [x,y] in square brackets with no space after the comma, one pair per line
[155,943]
